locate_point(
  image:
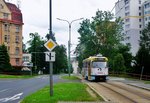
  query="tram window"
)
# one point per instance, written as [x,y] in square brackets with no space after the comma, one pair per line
[99,64]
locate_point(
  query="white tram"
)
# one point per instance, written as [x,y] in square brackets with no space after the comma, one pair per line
[95,68]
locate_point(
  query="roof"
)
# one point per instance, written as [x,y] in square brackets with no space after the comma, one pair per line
[96,58]
[15,12]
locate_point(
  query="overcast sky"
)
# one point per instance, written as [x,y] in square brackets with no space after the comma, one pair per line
[36,16]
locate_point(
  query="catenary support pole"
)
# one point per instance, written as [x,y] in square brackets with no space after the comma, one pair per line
[50,63]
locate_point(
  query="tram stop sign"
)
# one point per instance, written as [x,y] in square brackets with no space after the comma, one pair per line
[50,44]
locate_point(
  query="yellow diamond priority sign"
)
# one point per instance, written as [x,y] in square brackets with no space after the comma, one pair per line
[50,44]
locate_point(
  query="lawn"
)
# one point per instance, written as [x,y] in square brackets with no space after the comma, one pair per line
[15,76]
[70,78]
[62,92]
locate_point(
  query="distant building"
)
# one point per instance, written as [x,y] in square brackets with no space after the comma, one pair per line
[26,57]
[74,63]
[11,31]
[26,61]
[131,11]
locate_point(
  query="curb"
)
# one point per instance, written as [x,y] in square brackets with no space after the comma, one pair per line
[106,100]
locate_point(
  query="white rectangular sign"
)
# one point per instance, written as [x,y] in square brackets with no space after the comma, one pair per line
[50,56]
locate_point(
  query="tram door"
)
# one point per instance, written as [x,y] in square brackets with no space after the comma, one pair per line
[89,71]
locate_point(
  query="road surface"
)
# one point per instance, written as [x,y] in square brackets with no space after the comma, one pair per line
[13,90]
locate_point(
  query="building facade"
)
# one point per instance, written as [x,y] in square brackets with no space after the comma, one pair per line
[131,11]
[11,31]
[146,9]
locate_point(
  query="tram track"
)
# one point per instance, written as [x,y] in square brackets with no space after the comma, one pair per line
[140,92]
[118,92]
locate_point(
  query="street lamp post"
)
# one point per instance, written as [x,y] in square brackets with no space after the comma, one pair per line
[69,42]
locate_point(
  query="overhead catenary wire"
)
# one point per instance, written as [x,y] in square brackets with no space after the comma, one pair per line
[121,7]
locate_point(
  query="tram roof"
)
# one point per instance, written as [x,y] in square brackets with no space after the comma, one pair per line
[96,58]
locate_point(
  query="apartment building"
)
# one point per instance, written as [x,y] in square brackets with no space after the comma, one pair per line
[146,9]
[11,31]
[131,11]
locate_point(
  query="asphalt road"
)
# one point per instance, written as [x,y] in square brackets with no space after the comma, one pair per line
[13,90]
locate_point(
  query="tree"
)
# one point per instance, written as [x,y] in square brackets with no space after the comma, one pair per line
[4,59]
[143,55]
[51,36]
[37,49]
[60,64]
[100,35]
[118,63]
[124,50]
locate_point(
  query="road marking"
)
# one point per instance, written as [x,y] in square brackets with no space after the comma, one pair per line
[15,97]
[3,90]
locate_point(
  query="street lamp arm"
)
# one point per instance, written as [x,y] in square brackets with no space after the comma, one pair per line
[68,21]
[63,20]
[75,20]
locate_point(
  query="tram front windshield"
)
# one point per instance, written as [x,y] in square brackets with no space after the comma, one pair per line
[99,64]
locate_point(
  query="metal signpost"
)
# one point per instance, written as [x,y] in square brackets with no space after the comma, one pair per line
[50,57]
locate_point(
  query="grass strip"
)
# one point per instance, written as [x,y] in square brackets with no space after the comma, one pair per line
[70,78]
[62,92]
[15,76]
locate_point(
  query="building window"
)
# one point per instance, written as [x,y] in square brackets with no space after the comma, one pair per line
[126,8]
[140,26]
[17,28]
[139,1]
[6,27]
[17,50]
[127,14]
[139,13]
[127,20]
[17,61]
[7,38]
[145,18]
[26,59]
[127,26]
[146,5]
[17,39]
[140,20]
[127,32]
[139,8]
[126,2]
[140,32]
[5,15]
[145,12]
[1,6]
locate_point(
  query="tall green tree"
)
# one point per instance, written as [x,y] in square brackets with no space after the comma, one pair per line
[119,63]
[100,35]
[143,55]
[37,49]
[4,59]
[60,65]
